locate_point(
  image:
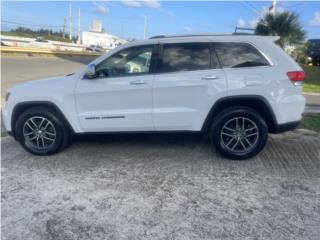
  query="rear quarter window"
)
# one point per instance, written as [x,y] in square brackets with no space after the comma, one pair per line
[238,55]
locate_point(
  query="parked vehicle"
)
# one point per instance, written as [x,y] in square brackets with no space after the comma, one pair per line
[234,88]
[41,39]
[313,52]
[93,48]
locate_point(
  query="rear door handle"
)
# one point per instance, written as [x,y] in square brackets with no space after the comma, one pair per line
[138,82]
[210,78]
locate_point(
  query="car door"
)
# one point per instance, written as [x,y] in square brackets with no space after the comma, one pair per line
[188,81]
[119,97]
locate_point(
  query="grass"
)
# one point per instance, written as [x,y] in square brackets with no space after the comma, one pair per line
[312,82]
[311,123]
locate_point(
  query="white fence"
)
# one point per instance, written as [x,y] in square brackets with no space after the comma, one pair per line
[12,41]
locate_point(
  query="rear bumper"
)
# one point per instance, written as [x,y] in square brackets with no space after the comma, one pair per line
[290,109]
[284,127]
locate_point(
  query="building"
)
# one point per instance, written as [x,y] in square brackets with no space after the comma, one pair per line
[96,26]
[96,36]
[104,40]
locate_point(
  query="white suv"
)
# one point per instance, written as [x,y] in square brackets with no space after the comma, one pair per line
[236,88]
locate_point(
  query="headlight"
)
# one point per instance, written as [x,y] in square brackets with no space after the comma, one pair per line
[309,58]
[7,96]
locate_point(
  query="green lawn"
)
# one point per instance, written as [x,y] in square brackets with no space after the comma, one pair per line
[312,82]
[311,123]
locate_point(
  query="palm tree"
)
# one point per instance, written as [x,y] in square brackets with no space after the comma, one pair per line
[285,25]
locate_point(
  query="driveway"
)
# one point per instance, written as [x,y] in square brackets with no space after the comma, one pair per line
[161,187]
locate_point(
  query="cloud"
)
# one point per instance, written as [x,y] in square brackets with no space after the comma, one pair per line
[132,3]
[247,24]
[165,12]
[253,23]
[241,23]
[142,3]
[262,13]
[169,13]
[152,3]
[187,29]
[280,9]
[315,21]
[101,7]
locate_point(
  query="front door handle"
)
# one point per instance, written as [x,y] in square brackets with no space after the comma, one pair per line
[210,78]
[138,82]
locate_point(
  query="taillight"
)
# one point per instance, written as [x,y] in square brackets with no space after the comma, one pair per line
[296,77]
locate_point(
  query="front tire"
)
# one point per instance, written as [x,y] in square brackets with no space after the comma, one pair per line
[239,133]
[41,132]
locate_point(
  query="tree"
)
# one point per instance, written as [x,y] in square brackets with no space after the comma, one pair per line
[285,25]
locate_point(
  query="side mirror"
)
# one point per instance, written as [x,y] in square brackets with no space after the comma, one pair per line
[91,71]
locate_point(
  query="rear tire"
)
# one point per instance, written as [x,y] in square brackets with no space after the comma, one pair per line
[41,131]
[239,133]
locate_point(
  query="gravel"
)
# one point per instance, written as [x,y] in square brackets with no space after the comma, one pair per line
[162,187]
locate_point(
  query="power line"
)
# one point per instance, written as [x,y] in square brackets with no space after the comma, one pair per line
[296,5]
[249,7]
[253,7]
[28,24]
[47,27]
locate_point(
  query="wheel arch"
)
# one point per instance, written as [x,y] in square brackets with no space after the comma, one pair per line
[258,103]
[23,106]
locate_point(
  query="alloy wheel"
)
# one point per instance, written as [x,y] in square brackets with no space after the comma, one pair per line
[239,135]
[39,132]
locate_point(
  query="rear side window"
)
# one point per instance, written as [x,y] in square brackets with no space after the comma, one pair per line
[185,57]
[237,55]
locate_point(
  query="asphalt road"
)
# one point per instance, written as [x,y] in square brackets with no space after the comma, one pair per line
[155,187]
[16,70]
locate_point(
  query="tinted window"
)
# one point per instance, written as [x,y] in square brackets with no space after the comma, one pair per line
[314,44]
[130,61]
[185,57]
[236,55]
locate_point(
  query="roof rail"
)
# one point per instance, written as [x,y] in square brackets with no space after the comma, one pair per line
[274,38]
[243,29]
[158,36]
[191,35]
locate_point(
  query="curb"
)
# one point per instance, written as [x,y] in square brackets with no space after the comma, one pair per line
[311,93]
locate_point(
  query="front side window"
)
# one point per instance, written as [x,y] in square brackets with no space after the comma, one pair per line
[185,57]
[130,61]
[237,55]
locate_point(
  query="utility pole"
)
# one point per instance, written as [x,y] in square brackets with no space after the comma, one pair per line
[272,9]
[79,31]
[64,27]
[70,22]
[145,27]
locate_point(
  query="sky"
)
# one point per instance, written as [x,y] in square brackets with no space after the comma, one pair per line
[127,18]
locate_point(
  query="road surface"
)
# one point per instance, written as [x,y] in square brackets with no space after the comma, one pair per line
[16,70]
[161,187]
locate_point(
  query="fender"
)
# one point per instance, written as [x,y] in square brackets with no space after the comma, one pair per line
[256,102]
[22,106]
